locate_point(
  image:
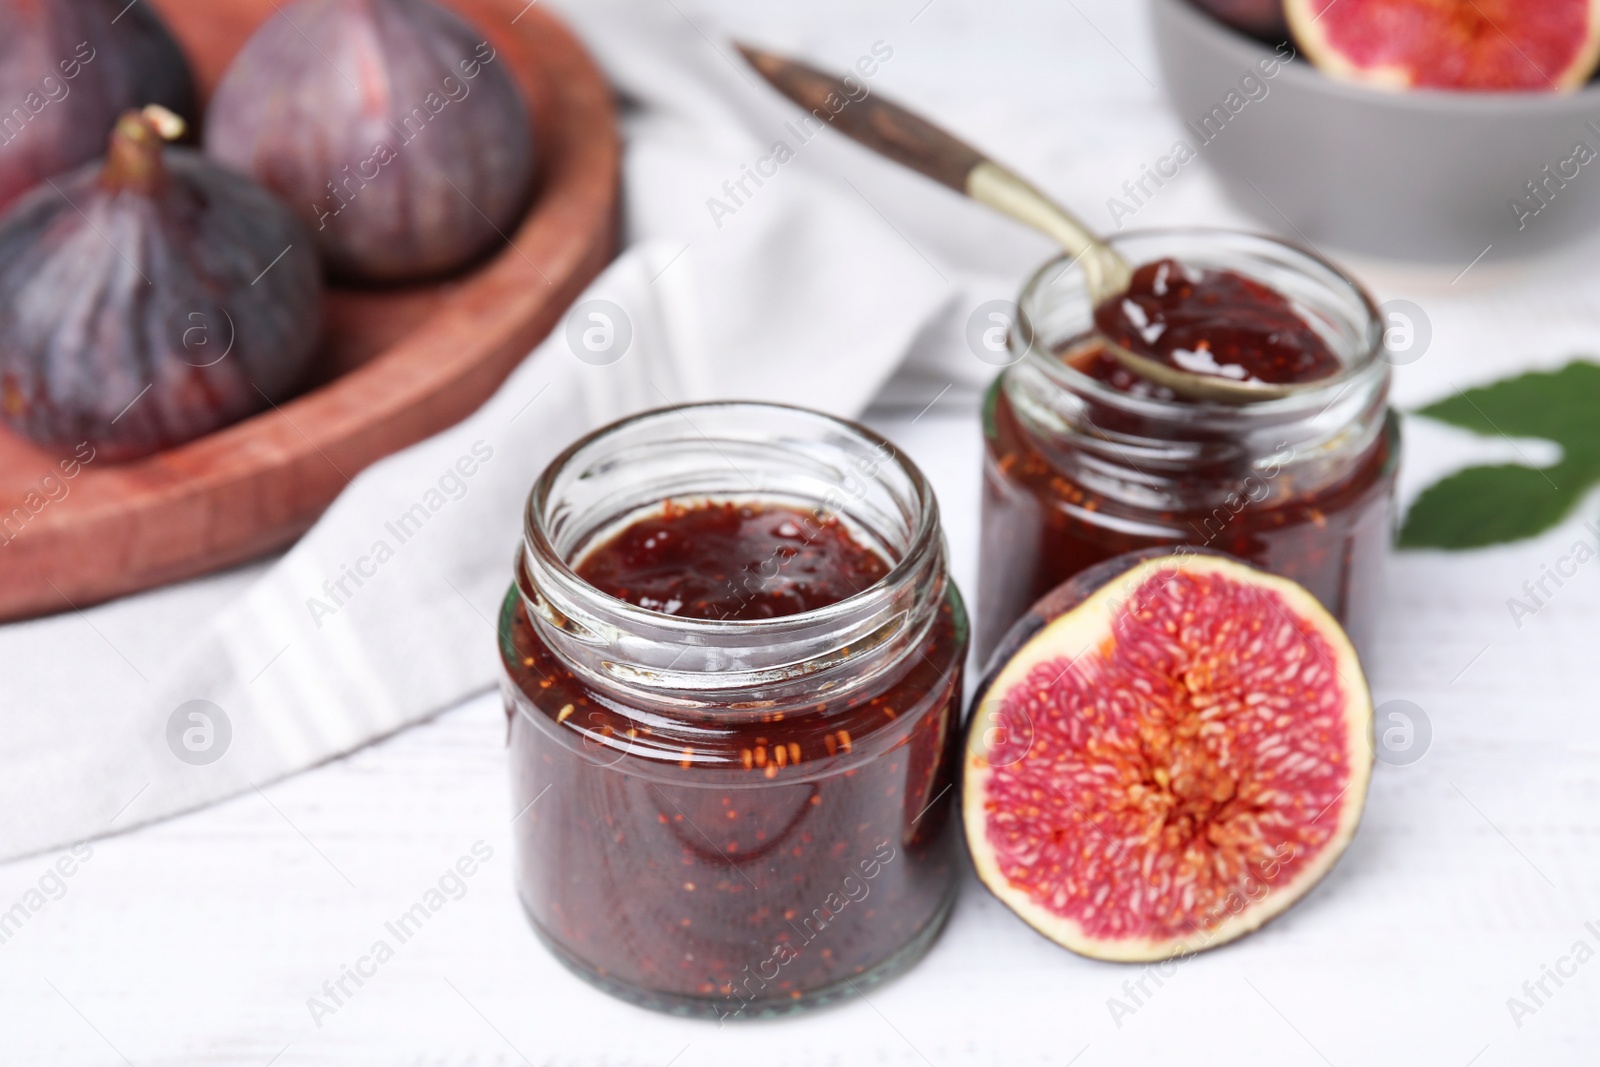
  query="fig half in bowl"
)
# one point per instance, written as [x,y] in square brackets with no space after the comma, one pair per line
[1430,175]
[1168,751]
[1500,46]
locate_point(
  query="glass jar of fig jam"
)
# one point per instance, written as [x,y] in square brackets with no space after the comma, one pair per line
[1085,460]
[733,660]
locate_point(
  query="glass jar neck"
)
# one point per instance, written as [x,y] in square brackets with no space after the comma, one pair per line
[817,466]
[1149,452]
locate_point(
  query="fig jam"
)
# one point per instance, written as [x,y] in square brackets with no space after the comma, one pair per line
[731,852]
[1215,322]
[1086,460]
[732,561]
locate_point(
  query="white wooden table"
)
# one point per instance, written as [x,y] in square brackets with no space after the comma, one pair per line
[201,940]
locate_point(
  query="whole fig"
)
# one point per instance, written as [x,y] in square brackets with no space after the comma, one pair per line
[68,68]
[391,127]
[150,299]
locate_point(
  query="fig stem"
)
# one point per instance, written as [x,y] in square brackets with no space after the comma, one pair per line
[133,158]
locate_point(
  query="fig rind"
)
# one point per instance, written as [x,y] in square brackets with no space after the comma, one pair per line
[1081,623]
[393,128]
[1262,18]
[152,299]
[68,68]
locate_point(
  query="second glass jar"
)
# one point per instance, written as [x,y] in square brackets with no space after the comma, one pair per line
[1084,463]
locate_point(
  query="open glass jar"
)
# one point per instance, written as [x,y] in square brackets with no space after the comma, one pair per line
[733,816]
[1084,461]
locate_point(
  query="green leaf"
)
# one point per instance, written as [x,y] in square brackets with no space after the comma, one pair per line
[1561,406]
[1483,506]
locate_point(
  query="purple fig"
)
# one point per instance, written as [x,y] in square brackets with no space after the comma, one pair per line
[1264,18]
[150,299]
[392,127]
[68,68]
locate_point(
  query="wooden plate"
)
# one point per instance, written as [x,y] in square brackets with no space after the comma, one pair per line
[396,366]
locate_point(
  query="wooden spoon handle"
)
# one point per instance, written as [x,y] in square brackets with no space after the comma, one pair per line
[908,139]
[884,127]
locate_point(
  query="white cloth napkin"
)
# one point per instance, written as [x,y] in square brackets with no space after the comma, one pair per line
[798,290]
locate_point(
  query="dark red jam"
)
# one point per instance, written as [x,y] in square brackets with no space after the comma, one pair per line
[1215,322]
[735,860]
[1042,524]
[732,561]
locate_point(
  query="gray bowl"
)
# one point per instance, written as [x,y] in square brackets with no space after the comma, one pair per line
[1420,175]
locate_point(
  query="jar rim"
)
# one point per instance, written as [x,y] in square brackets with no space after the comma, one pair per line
[1045,359]
[926,535]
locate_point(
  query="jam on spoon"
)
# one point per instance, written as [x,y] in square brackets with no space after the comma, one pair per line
[1217,323]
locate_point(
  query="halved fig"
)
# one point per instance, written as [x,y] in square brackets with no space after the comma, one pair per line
[1169,750]
[1484,45]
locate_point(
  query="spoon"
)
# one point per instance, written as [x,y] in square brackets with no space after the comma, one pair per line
[914,142]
